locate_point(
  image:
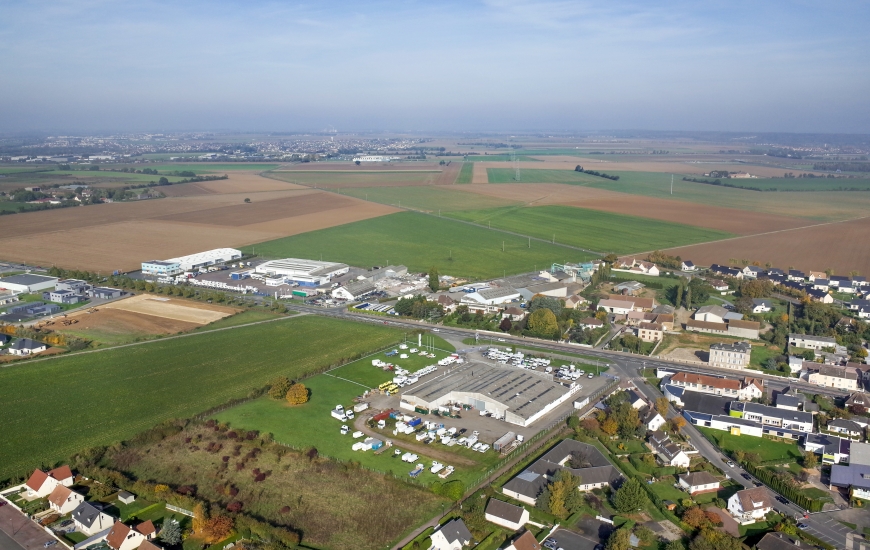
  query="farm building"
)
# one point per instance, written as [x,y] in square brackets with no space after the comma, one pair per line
[519,396]
[28,282]
[193,262]
[303,272]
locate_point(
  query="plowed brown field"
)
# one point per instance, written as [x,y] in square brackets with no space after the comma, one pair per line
[841,246]
[120,236]
[732,220]
[238,182]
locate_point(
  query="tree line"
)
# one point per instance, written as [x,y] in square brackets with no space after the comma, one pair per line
[604,175]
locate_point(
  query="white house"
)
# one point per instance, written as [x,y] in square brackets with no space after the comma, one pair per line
[506,515]
[653,420]
[64,500]
[667,451]
[26,346]
[698,482]
[453,535]
[526,541]
[354,291]
[620,307]
[687,265]
[41,484]
[750,505]
[711,314]
[760,305]
[124,537]
[90,520]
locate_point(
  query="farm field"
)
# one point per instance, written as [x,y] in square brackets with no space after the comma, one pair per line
[731,220]
[429,198]
[839,246]
[176,309]
[101,397]
[420,241]
[508,175]
[590,229]
[465,173]
[341,179]
[201,168]
[832,185]
[329,503]
[175,226]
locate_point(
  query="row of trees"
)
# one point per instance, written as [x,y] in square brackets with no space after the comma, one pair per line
[579,168]
[689,294]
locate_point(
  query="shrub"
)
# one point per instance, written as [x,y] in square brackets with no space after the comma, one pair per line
[234,506]
[297,394]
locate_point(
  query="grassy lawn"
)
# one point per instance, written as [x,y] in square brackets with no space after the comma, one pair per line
[815,492]
[757,528]
[724,493]
[591,229]
[421,241]
[139,386]
[665,490]
[767,449]
[75,537]
[311,425]
[760,354]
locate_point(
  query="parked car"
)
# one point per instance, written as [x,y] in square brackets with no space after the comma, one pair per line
[729,463]
[802,525]
[49,543]
[781,499]
[746,476]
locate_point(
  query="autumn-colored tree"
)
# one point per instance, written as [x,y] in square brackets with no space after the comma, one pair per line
[297,394]
[543,323]
[279,387]
[218,528]
[713,517]
[810,460]
[590,424]
[677,423]
[609,427]
[200,519]
[662,406]
[694,517]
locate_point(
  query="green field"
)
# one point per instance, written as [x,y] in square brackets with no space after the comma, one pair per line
[311,425]
[198,167]
[427,198]
[56,407]
[465,173]
[591,229]
[767,449]
[803,184]
[350,178]
[420,241]
[508,175]
[499,158]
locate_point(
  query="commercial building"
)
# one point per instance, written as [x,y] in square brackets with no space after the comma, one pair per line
[730,356]
[810,342]
[786,419]
[749,388]
[302,272]
[64,297]
[581,459]
[491,296]
[355,290]
[832,448]
[28,282]
[75,285]
[519,396]
[196,261]
[161,268]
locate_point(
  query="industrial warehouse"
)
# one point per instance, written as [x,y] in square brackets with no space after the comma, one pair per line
[302,272]
[518,396]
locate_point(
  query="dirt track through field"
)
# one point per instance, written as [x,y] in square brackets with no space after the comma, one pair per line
[837,245]
[735,221]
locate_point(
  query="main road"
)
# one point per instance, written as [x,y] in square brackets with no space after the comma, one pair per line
[629,367]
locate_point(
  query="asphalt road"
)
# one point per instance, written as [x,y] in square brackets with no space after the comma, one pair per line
[7,543]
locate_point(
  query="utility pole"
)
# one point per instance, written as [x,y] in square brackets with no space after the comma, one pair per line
[672,184]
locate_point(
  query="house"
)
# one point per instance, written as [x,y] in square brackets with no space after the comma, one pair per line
[711,314]
[41,483]
[668,452]
[718,284]
[647,268]
[832,448]
[650,332]
[698,482]
[123,537]
[526,541]
[848,288]
[687,265]
[91,520]
[820,296]
[846,427]
[727,271]
[506,515]
[621,307]
[653,420]
[638,304]
[453,535]
[730,356]
[760,305]
[795,363]
[752,271]
[635,399]
[837,280]
[821,284]
[4,339]
[750,505]
[807,341]
[858,399]
[574,301]
[792,424]
[26,346]
[778,541]
[513,313]
[590,323]
[789,400]
[64,500]
[858,303]
[833,376]
[354,291]
[126,498]
[581,459]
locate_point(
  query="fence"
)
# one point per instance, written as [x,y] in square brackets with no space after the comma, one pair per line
[187,513]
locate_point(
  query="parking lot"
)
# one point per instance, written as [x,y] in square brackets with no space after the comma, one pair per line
[830,522]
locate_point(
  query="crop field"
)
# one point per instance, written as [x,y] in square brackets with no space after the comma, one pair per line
[732,220]
[831,185]
[500,158]
[590,229]
[465,173]
[507,175]
[839,246]
[202,168]
[429,198]
[421,241]
[331,504]
[170,227]
[350,178]
[97,398]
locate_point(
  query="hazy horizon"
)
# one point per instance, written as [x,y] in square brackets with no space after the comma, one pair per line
[464,67]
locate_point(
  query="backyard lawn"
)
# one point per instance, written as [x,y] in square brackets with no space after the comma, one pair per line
[767,449]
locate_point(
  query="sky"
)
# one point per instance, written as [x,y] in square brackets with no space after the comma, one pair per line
[467,66]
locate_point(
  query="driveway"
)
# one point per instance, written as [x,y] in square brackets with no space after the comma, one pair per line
[572,541]
[20,532]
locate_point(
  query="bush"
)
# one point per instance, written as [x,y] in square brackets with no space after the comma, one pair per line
[297,394]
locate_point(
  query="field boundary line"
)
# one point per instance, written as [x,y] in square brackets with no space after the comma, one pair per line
[346,380]
[84,352]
